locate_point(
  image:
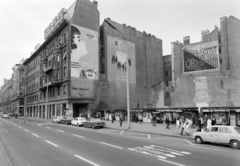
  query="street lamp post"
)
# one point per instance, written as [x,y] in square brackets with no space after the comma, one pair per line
[127,79]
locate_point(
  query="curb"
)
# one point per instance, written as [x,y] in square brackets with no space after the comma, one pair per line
[145,132]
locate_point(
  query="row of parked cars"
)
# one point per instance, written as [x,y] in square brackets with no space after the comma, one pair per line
[80,121]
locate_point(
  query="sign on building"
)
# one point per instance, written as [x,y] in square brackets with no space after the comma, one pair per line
[201,57]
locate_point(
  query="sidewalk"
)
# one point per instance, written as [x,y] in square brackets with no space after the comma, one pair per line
[137,127]
[149,129]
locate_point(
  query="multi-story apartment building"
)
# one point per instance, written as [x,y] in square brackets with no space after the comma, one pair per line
[17,98]
[56,83]
[206,74]
[6,94]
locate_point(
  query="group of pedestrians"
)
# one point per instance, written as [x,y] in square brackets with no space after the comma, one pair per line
[185,124]
[167,121]
[206,123]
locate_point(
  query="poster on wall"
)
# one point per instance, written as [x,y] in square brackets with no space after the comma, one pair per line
[84,53]
[84,61]
[119,59]
[201,57]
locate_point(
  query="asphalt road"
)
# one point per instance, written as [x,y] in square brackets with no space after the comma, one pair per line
[37,144]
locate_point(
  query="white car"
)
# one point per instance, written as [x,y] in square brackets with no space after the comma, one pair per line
[57,119]
[5,116]
[220,134]
[78,121]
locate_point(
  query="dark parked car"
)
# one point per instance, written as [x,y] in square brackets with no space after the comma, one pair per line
[94,122]
[66,120]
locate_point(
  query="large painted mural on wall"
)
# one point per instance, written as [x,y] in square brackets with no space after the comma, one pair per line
[84,60]
[201,57]
[119,61]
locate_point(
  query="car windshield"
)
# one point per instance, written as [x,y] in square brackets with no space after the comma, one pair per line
[237,129]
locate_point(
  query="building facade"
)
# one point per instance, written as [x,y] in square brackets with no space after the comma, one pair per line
[206,74]
[56,81]
[6,96]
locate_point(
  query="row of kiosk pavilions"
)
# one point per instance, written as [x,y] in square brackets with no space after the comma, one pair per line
[223,115]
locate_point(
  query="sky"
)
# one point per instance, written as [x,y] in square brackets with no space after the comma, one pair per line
[22,22]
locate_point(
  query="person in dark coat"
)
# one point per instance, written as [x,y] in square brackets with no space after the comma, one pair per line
[167,122]
[120,120]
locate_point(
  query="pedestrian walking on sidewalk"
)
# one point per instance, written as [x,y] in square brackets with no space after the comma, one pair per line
[154,121]
[140,119]
[120,120]
[167,122]
[113,118]
[182,126]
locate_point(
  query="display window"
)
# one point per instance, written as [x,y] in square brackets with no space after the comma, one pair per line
[238,119]
[221,117]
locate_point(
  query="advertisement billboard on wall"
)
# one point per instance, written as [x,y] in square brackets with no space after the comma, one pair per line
[118,60]
[201,57]
[84,60]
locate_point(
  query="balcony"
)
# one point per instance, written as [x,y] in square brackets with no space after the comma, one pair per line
[47,69]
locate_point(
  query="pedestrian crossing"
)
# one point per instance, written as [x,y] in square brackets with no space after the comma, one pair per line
[159,151]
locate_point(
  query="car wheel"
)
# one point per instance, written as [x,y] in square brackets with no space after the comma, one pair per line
[198,140]
[235,144]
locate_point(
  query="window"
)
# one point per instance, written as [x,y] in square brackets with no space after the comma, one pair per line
[166,83]
[167,94]
[214,129]
[220,50]
[166,73]
[223,130]
[64,89]
[58,90]
[65,72]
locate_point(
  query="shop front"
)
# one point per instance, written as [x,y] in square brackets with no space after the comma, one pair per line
[222,116]
[238,117]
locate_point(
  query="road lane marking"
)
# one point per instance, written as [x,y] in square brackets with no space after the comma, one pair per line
[111,145]
[148,153]
[171,149]
[60,131]
[153,151]
[208,148]
[26,130]
[88,161]
[19,127]
[188,142]
[121,132]
[78,136]
[171,162]
[51,143]
[48,127]
[149,136]
[162,150]
[137,137]
[35,135]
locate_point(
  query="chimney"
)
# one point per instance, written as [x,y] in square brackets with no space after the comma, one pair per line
[186,40]
[205,35]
